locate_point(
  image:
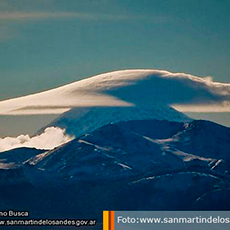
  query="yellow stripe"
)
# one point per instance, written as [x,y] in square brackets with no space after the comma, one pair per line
[105,220]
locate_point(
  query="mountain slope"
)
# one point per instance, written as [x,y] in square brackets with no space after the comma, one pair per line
[204,138]
[141,146]
[129,165]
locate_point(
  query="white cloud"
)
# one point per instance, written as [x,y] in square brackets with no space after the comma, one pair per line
[144,88]
[49,139]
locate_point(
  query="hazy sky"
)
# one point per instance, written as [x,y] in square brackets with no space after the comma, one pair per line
[47,43]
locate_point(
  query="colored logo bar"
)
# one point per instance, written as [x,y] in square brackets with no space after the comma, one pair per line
[108,220]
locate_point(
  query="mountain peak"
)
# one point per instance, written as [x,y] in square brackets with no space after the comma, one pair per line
[84,120]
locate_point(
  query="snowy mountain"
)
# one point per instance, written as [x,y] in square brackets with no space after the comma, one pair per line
[133,148]
[142,146]
[135,165]
[123,95]
[79,121]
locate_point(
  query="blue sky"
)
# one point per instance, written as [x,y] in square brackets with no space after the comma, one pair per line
[47,43]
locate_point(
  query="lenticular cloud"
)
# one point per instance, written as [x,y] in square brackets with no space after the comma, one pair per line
[184,92]
[49,139]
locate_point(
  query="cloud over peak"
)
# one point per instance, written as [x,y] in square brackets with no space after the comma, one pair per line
[184,92]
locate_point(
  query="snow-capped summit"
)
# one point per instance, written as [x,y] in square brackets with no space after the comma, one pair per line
[79,121]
